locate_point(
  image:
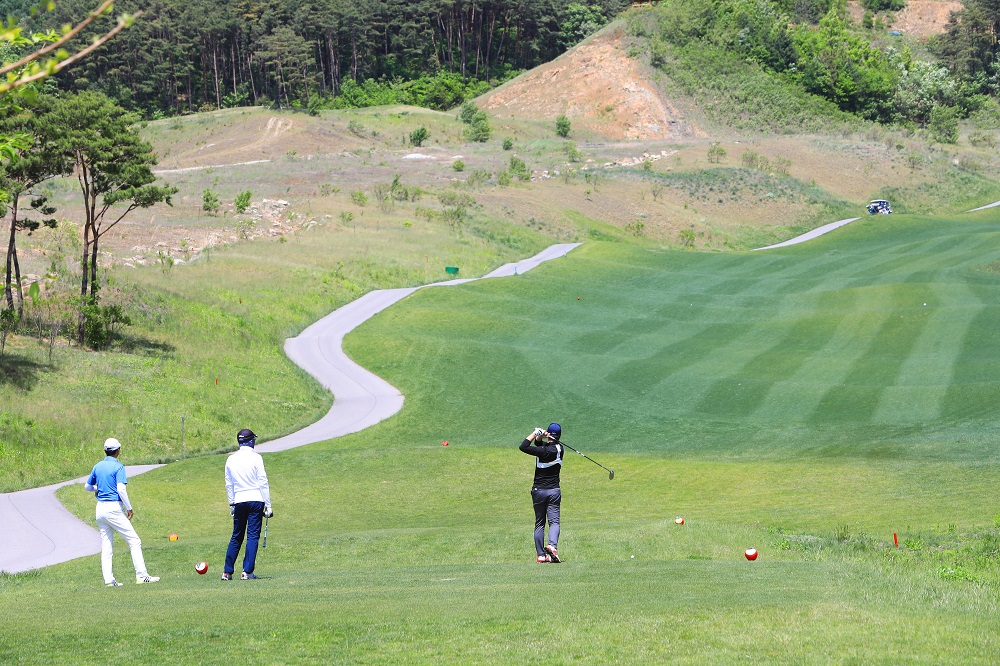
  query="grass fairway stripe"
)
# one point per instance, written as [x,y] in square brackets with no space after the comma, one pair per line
[389,548]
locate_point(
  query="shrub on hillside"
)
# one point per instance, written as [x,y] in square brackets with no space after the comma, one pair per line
[943,124]
[210,201]
[479,129]
[518,169]
[418,136]
[468,112]
[562,126]
[242,202]
[508,143]
[716,153]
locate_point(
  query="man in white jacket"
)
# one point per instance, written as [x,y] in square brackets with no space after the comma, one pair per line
[249,502]
[114,513]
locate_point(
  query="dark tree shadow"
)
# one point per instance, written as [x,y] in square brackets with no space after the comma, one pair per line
[20,372]
[134,344]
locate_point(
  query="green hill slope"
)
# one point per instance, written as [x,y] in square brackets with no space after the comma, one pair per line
[802,401]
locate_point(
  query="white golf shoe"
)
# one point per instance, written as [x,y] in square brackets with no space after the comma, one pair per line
[146,579]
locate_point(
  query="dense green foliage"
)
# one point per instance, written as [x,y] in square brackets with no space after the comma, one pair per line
[824,55]
[183,56]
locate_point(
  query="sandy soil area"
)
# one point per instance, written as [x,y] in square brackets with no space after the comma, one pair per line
[599,88]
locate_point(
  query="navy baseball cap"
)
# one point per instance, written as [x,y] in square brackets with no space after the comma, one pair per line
[246,437]
[555,430]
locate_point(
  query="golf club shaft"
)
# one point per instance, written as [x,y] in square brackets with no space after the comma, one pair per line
[586,456]
[265,532]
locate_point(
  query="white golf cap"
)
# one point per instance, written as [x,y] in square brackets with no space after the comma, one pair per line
[112,444]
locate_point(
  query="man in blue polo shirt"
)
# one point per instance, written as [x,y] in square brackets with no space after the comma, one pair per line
[114,513]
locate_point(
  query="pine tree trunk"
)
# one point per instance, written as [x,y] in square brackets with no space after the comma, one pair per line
[215,64]
[11,251]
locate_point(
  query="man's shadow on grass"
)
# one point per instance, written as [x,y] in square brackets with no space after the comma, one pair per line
[20,372]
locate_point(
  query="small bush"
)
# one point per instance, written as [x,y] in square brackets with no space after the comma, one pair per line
[245,228]
[754,160]
[980,139]
[468,112]
[562,126]
[716,153]
[101,323]
[503,178]
[210,202]
[242,202]
[418,136]
[687,238]
[518,169]
[508,143]
[943,124]
[357,129]
[359,198]
[458,165]
[478,130]
[478,177]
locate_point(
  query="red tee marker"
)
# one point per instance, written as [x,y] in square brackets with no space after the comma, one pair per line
[444,443]
[895,539]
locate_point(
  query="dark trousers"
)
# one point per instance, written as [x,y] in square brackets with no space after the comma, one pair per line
[546,504]
[248,517]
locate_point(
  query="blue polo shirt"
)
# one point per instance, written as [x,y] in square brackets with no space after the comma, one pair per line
[106,475]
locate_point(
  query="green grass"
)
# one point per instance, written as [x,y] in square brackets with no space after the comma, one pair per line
[207,344]
[801,401]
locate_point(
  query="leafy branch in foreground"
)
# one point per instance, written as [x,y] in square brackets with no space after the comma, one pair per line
[32,67]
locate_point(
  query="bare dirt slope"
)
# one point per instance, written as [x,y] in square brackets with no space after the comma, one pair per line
[924,18]
[920,18]
[599,88]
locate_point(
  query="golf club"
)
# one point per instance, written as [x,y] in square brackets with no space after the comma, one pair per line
[265,532]
[611,472]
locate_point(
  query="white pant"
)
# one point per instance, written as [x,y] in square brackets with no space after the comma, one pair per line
[110,519]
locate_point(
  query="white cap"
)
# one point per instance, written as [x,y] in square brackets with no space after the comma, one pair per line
[112,444]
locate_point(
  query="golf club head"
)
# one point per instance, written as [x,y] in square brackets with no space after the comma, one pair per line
[611,476]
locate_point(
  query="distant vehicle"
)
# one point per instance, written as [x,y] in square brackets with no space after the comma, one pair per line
[879,207]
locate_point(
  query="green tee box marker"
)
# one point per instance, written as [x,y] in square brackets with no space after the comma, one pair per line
[451,270]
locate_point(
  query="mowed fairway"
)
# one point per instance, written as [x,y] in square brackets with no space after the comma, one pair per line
[803,401]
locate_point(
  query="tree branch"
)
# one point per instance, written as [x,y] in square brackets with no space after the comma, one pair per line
[65,38]
[122,24]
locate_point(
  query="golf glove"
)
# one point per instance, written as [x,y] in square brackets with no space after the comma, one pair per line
[539,432]
[268,512]
[232,510]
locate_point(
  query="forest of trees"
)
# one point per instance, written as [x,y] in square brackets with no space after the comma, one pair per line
[187,55]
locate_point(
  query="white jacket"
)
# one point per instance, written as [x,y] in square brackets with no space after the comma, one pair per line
[246,480]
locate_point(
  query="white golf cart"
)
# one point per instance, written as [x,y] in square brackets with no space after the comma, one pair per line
[879,207]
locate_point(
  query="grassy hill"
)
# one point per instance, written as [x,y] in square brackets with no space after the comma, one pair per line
[802,401]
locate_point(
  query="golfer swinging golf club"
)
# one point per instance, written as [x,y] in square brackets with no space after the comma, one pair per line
[545,493]
[249,502]
[114,513]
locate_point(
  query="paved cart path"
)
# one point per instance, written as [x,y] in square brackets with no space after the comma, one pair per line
[827,228]
[37,530]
